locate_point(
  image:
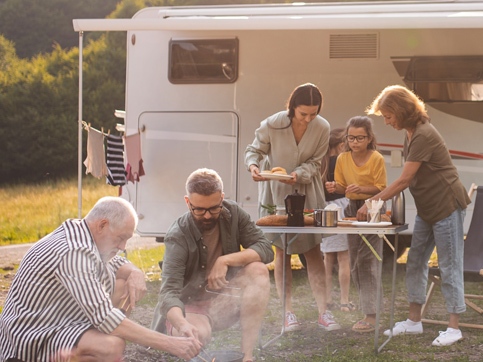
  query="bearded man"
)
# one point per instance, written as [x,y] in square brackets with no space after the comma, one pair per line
[208,281]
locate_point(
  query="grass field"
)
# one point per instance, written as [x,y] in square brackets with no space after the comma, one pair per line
[29,212]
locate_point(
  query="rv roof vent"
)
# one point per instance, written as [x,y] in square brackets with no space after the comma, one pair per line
[354,46]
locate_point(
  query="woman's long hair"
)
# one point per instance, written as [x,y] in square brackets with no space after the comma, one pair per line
[307,94]
[337,136]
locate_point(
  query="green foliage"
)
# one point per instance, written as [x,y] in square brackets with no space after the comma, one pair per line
[7,55]
[35,26]
[38,122]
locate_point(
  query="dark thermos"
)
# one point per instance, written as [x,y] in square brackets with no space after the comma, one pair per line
[294,205]
[398,209]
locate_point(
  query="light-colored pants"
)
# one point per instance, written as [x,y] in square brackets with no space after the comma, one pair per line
[448,237]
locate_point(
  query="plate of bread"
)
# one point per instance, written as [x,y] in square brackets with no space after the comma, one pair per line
[276,173]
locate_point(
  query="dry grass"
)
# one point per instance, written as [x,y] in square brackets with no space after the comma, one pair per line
[29,212]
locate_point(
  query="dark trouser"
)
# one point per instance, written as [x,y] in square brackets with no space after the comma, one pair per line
[364,264]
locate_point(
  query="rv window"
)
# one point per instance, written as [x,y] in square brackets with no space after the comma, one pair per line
[446,79]
[203,61]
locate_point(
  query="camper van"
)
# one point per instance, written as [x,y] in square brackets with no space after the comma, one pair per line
[200,79]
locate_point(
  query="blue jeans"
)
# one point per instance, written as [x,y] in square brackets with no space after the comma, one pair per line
[448,236]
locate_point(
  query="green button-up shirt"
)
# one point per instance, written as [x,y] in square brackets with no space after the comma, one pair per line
[185,258]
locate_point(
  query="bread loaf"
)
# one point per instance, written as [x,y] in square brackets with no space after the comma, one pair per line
[273,220]
[281,220]
[275,169]
[308,220]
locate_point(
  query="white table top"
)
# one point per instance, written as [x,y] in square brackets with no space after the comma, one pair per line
[387,230]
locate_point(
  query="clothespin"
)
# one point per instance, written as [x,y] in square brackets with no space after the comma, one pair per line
[102,130]
[109,132]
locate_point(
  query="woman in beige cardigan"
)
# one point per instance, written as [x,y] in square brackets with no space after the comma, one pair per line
[297,140]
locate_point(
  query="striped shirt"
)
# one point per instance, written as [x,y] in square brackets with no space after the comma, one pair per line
[61,289]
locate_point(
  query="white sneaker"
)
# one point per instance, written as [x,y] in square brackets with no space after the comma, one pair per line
[448,337]
[405,327]
[327,321]
[291,322]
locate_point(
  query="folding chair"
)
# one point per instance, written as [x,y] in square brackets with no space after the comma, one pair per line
[472,264]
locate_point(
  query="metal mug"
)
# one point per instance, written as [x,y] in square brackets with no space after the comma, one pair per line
[325,218]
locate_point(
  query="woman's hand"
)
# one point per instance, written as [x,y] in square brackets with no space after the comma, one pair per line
[291,181]
[362,213]
[256,173]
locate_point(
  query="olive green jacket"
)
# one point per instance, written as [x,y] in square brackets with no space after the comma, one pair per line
[184,275]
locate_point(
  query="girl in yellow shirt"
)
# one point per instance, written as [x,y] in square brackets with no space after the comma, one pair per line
[361,173]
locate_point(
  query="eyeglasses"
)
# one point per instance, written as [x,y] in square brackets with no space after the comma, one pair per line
[358,138]
[201,211]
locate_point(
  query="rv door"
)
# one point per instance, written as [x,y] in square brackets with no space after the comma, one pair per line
[174,144]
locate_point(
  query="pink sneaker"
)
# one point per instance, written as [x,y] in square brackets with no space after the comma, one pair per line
[327,321]
[291,322]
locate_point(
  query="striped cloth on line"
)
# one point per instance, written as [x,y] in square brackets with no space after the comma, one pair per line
[115,161]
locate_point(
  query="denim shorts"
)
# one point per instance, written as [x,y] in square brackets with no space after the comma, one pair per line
[448,237]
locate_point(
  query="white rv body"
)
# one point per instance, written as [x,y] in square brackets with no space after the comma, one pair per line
[350,50]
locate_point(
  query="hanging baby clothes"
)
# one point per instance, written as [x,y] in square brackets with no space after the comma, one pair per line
[95,161]
[115,161]
[134,166]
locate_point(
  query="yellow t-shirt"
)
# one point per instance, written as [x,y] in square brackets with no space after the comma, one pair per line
[372,173]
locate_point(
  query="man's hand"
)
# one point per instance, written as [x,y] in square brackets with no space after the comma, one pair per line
[184,347]
[181,325]
[135,287]
[187,329]
[216,278]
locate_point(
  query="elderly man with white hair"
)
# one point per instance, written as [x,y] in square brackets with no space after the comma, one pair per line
[68,290]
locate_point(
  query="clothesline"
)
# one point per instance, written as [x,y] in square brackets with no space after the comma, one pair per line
[116,170]
[88,125]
